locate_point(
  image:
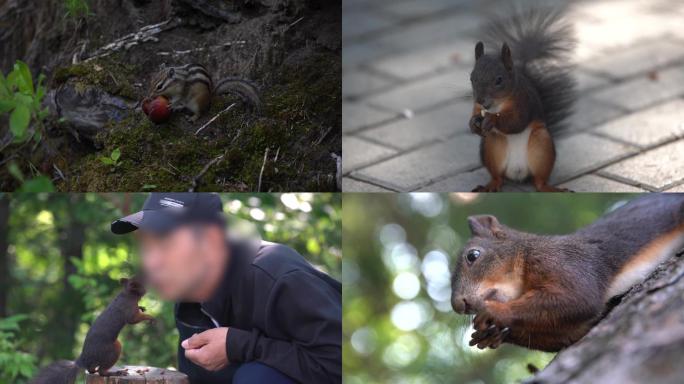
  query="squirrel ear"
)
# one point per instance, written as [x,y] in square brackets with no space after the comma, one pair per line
[479,50]
[485,226]
[506,57]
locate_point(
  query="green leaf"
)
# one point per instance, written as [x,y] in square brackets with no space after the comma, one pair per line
[15,171]
[116,154]
[148,187]
[6,105]
[19,120]
[26,84]
[38,184]
[107,161]
[4,88]
[12,80]
[21,98]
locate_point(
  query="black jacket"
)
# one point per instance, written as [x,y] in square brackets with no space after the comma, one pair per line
[280,311]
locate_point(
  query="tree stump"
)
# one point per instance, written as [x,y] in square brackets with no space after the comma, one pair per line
[139,374]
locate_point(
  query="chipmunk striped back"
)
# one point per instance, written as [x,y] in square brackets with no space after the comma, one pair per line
[173,80]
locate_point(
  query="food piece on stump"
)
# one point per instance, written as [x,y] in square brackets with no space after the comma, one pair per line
[157,109]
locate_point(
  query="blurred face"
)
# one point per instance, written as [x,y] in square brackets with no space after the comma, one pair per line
[181,264]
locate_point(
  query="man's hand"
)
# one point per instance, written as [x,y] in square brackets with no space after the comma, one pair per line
[208,349]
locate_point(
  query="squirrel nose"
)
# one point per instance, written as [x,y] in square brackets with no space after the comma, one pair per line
[461,305]
[467,308]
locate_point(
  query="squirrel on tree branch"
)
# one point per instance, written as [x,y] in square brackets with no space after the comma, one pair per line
[546,292]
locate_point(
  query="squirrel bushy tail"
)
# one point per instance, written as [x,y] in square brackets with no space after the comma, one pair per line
[245,89]
[59,372]
[541,42]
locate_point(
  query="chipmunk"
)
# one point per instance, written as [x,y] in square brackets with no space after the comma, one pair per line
[190,88]
[522,96]
[101,349]
[546,292]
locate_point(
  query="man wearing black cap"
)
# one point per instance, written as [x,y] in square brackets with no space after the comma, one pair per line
[247,312]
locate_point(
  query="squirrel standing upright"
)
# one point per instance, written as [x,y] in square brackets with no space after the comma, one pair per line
[546,292]
[190,88]
[522,95]
[101,349]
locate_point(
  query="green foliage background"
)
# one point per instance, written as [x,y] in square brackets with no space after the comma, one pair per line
[415,236]
[56,297]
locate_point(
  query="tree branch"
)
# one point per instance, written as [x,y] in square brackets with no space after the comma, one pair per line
[641,340]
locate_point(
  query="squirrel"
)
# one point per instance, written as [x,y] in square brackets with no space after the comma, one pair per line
[546,292]
[190,88]
[101,349]
[522,96]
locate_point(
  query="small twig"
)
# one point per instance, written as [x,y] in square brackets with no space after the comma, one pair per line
[59,171]
[172,166]
[262,169]
[145,34]
[294,23]
[275,159]
[196,180]
[338,175]
[214,118]
[202,49]
[168,170]
[323,136]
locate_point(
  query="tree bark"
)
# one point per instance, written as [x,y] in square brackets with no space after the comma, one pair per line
[641,340]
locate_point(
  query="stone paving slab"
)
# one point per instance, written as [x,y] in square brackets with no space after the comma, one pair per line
[648,127]
[362,22]
[658,168]
[359,53]
[583,153]
[645,90]
[642,58]
[358,153]
[414,169]
[356,83]
[468,181]
[587,81]
[590,113]
[423,94]
[430,60]
[409,133]
[439,31]
[359,186]
[419,8]
[357,116]
[594,183]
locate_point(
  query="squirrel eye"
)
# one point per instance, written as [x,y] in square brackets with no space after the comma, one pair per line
[472,255]
[499,80]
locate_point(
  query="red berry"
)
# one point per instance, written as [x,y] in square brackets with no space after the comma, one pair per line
[146,105]
[158,109]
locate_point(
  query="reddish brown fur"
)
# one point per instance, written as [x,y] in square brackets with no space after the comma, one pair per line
[541,156]
[494,158]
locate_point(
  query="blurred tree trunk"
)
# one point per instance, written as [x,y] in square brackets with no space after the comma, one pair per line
[71,237]
[4,257]
[641,340]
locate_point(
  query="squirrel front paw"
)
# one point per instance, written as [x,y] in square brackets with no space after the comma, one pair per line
[488,123]
[475,124]
[489,331]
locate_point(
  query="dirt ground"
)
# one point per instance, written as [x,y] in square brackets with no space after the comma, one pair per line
[291,49]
